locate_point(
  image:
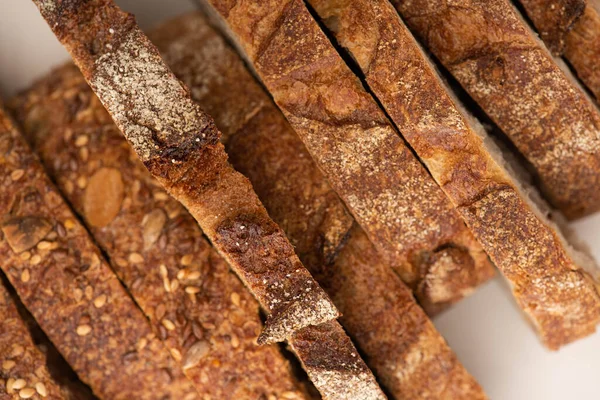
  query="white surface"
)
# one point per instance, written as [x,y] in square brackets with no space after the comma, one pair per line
[487,331]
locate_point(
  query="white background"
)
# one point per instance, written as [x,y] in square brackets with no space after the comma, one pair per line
[486,331]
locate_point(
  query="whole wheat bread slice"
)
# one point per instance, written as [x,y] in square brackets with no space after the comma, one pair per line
[62,279]
[198,308]
[23,370]
[501,63]
[387,190]
[379,311]
[547,276]
[179,145]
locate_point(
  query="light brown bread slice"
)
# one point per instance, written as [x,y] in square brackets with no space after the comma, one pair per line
[387,190]
[379,311]
[180,146]
[204,314]
[60,276]
[23,370]
[495,56]
[547,277]
[571,28]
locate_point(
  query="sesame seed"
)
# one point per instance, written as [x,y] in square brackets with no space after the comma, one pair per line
[192,289]
[83,330]
[111,30]
[81,182]
[17,174]
[81,141]
[187,260]
[235,299]
[100,301]
[167,285]
[25,256]
[26,393]
[136,258]
[17,350]
[193,275]
[235,342]
[44,245]
[181,274]
[25,276]
[176,354]
[163,270]
[168,324]
[19,384]
[174,285]
[9,385]
[36,259]
[41,389]
[8,364]
[69,224]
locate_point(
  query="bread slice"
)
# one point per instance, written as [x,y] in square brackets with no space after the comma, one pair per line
[203,313]
[379,311]
[387,190]
[23,366]
[548,278]
[180,146]
[494,55]
[60,276]
[571,28]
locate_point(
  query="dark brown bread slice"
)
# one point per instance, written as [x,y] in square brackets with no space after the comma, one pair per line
[495,56]
[180,146]
[571,28]
[60,276]
[378,309]
[391,195]
[23,370]
[554,19]
[469,169]
[207,318]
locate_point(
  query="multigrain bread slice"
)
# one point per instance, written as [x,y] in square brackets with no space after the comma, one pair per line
[391,195]
[547,277]
[571,28]
[208,320]
[179,144]
[23,371]
[500,62]
[379,311]
[61,278]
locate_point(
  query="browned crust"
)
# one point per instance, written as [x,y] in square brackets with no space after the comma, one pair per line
[20,359]
[497,59]
[207,318]
[379,311]
[551,288]
[178,143]
[554,19]
[384,186]
[58,273]
[583,49]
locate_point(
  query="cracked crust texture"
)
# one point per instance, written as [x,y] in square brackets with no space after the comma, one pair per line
[570,28]
[20,359]
[391,195]
[58,273]
[204,314]
[179,144]
[550,287]
[402,346]
[494,55]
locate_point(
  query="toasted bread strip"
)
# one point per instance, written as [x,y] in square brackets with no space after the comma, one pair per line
[23,370]
[60,276]
[378,309]
[204,314]
[495,56]
[554,19]
[549,283]
[391,195]
[572,28]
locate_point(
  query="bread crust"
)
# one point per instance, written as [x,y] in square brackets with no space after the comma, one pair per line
[20,359]
[384,186]
[203,313]
[379,311]
[58,273]
[554,20]
[523,247]
[583,49]
[497,59]
[180,146]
